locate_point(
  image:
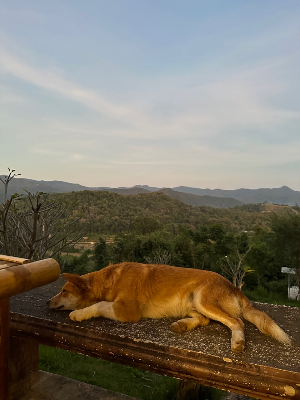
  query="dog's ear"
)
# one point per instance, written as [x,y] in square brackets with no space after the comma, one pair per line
[75,280]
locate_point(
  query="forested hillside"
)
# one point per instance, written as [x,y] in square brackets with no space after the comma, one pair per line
[106,212]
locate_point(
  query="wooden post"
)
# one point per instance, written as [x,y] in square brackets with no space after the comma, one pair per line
[4,349]
[19,357]
[24,366]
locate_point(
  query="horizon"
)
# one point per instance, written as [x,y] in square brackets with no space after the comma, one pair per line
[150,186]
[113,93]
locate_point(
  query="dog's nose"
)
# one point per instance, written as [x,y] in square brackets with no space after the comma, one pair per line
[48,302]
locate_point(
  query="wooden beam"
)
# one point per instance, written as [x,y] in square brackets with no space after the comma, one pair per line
[249,379]
[18,278]
[16,260]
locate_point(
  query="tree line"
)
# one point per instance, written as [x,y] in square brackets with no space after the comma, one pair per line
[248,259]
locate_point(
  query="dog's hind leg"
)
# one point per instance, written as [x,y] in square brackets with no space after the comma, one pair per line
[188,324]
[236,325]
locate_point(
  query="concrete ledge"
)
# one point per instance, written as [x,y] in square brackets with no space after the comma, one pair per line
[56,387]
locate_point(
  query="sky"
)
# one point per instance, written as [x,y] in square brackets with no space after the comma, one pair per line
[163,93]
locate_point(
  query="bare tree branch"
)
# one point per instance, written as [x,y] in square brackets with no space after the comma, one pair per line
[234,267]
[36,227]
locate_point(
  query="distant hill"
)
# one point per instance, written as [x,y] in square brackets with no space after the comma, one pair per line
[126,191]
[149,188]
[195,200]
[108,212]
[283,195]
[186,198]
[20,185]
[217,198]
[64,187]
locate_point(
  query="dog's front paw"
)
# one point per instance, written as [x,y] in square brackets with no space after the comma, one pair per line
[77,315]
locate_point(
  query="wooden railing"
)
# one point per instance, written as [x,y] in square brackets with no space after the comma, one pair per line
[17,275]
[265,370]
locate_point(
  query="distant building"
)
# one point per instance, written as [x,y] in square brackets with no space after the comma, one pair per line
[293,291]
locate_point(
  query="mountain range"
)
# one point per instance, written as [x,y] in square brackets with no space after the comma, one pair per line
[217,198]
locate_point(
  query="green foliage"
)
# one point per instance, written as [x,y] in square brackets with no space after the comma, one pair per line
[144,225]
[101,257]
[138,248]
[263,295]
[250,207]
[78,265]
[286,240]
[278,287]
[103,212]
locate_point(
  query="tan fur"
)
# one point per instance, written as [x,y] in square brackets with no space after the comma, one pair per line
[128,292]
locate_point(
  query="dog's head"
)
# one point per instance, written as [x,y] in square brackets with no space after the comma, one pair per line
[73,296]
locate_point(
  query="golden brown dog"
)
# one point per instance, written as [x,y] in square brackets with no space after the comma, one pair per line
[131,291]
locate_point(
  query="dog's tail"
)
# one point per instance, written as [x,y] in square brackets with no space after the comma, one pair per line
[262,321]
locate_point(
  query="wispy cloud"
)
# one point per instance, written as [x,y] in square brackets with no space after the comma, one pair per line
[55,153]
[53,81]
[7,96]
[238,99]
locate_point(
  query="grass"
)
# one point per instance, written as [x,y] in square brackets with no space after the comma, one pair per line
[115,377]
[263,295]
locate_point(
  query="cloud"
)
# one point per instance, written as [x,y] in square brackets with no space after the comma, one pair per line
[180,129]
[237,100]
[78,156]
[53,81]
[52,151]
[181,105]
[7,96]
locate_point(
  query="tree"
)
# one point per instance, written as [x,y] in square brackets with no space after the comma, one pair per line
[233,265]
[144,225]
[79,265]
[6,179]
[117,250]
[261,260]
[235,269]
[286,240]
[159,256]
[185,250]
[35,227]
[100,257]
